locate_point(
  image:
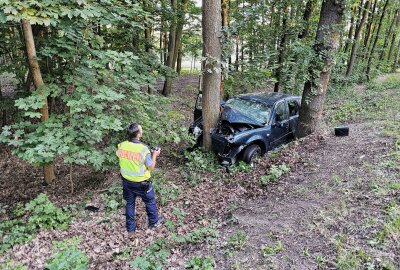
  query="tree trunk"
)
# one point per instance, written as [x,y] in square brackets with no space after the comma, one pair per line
[387,37]
[282,50]
[211,28]
[370,24]
[371,54]
[396,58]
[171,50]
[350,34]
[357,36]
[306,18]
[148,44]
[49,175]
[179,61]
[325,47]
[224,15]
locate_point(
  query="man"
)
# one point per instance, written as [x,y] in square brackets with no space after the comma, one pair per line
[136,162]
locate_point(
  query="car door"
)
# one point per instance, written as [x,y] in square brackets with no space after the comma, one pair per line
[294,109]
[280,124]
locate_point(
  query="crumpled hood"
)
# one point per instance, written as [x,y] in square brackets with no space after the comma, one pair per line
[234,116]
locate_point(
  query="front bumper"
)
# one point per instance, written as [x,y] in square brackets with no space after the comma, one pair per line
[227,152]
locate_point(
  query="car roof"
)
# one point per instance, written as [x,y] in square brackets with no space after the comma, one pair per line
[269,98]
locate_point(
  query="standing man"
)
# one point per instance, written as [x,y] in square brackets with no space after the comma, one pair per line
[136,162]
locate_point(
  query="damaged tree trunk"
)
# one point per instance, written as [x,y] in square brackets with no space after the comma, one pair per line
[325,47]
[48,169]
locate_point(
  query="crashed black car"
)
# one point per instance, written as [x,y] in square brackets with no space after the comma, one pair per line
[250,125]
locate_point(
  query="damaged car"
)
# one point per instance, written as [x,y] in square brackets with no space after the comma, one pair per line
[252,124]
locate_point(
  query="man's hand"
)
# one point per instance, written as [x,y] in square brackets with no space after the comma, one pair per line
[156,153]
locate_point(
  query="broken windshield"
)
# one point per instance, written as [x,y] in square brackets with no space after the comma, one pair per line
[256,110]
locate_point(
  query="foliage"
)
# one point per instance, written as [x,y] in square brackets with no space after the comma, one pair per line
[273,249]
[391,227]
[200,263]
[238,240]
[42,213]
[11,265]
[156,255]
[275,172]
[166,191]
[241,166]
[200,160]
[67,256]
[112,198]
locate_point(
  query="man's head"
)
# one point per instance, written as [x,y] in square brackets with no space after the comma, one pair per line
[134,131]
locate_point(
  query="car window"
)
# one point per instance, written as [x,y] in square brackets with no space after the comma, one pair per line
[280,112]
[256,110]
[293,107]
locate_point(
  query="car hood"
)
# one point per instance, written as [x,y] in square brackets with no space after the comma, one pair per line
[234,116]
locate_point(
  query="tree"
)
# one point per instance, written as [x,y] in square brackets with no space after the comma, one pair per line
[326,44]
[49,175]
[356,40]
[212,21]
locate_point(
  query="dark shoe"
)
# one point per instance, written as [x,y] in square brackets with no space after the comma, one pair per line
[159,222]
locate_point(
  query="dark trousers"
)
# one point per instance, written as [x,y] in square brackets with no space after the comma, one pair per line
[131,190]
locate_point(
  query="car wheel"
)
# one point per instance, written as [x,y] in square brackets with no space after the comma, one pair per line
[251,154]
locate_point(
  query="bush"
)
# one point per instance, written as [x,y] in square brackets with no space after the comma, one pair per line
[67,256]
[42,214]
[200,263]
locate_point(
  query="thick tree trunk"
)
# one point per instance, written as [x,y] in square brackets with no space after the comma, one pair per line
[49,175]
[371,54]
[179,61]
[211,24]
[326,45]
[357,36]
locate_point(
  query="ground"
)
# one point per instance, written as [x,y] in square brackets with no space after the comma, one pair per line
[337,208]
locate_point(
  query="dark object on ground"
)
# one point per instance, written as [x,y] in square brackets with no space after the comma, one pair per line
[251,124]
[92,208]
[342,131]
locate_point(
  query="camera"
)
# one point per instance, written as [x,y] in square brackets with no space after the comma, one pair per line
[155,148]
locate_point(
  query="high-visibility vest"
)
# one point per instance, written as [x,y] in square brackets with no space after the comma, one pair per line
[132,161]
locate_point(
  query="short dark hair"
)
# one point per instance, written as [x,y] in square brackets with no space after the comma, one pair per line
[133,130]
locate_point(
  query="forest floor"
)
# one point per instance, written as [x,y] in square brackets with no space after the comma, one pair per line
[337,208]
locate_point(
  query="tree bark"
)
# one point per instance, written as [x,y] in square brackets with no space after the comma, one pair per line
[48,169]
[211,28]
[282,50]
[396,58]
[171,51]
[371,54]
[357,36]
[350,34]
[370,24]
[387,37]
[306,18]
[325,47]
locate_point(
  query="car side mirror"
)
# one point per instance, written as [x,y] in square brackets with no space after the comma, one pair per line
[277,124]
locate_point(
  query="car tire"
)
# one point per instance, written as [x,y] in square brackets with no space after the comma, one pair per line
[251,153]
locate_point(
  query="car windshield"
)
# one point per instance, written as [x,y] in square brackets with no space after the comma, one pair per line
[256,110]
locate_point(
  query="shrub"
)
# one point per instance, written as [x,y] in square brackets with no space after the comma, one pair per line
[67,256]
[200,263]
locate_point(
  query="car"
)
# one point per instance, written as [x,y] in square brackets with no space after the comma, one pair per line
[252,124]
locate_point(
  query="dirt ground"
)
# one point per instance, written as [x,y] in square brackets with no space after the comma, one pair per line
[326,211]
[330,193]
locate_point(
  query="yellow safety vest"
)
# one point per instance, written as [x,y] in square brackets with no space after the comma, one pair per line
[132,161]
